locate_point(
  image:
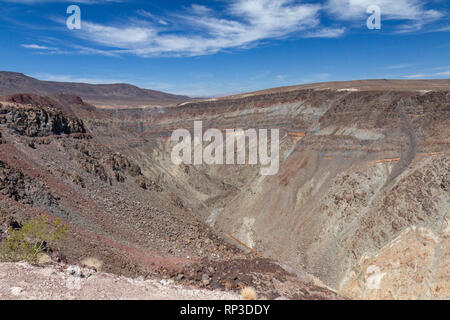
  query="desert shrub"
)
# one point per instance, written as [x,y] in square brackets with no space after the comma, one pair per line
[93,263]
[248,293]
[32,239]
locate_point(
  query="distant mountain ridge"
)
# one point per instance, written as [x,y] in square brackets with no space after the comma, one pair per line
[104,95]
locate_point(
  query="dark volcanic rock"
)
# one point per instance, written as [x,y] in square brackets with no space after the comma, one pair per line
[122,164]
[39,121]
[22,188]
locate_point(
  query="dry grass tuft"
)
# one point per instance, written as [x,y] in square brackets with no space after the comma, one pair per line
[93,263]
[248,293]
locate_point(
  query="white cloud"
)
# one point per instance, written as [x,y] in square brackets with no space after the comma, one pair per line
[399,66]
[326,33]
[36,46]
[39,49]
[69,78]
[416,76]
[92,51]
[200,30]
[261,75]
[117,37]
[430,75]
[204,31]
[442,29]
[74,49]
[147,14]
[198,9]
[281,78]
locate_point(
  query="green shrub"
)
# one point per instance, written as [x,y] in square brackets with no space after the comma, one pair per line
[35,237]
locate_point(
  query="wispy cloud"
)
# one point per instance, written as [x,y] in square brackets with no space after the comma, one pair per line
[442,29]
[205,31]
[326,33]
[261,75]
[428,75]
[201,30]
[40,49]
[400,66]
[71,78]
[36,46]
[147,14]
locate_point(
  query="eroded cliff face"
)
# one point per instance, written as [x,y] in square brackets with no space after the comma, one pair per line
[34,121]
[360,172]
[415,265]
[373,167]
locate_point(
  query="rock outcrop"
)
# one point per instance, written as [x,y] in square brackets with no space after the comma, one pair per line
[20,187]
[35,121]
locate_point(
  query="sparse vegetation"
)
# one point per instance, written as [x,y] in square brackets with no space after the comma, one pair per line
[93,263]
[248,293]
[31,240]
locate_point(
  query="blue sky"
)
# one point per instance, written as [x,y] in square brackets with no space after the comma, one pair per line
[218,47]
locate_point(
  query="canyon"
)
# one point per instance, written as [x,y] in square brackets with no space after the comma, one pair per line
[359,208]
